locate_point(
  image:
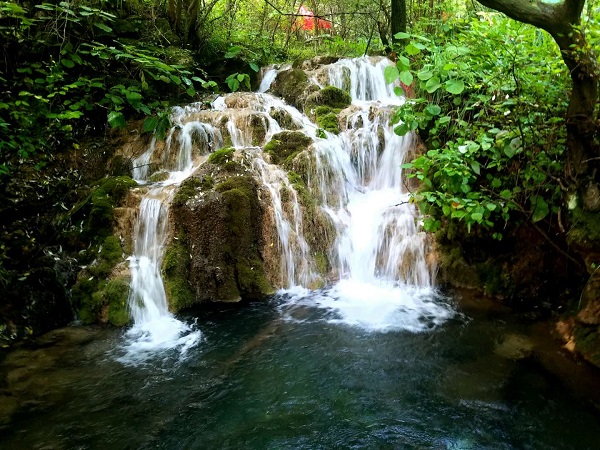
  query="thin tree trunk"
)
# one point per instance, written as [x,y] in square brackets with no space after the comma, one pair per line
[398,17]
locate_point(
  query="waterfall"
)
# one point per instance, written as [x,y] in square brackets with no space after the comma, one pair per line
[154,327]
[380,278]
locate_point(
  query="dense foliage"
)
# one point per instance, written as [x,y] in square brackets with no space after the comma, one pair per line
[492,94]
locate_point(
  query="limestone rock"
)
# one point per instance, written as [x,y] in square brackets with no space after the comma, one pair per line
[215,254]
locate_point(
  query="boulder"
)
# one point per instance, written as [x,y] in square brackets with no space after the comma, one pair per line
[215,254]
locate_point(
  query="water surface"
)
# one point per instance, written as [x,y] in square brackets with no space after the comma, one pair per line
[289,374]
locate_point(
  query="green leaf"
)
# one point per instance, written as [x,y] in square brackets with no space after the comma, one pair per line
[254,66]
[433,110]
[424,75]
[402,129]
[150,124]
[67,63]
[406,77]
[433,84]
[509,150]
[476,167]
[403,63]
[233,83]
[391,74]
[455,86]
[402,35]
[134,98]
[103,27]
[540,208]
[233,51]
[116,119]
[412,50]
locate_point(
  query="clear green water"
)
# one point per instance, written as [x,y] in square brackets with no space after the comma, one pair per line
[257,381]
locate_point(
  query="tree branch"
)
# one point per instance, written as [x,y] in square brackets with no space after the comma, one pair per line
[555,18]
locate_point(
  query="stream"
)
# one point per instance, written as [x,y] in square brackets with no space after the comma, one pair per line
[290,373]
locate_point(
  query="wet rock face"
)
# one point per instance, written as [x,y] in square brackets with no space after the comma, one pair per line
[293,86]
[215,255]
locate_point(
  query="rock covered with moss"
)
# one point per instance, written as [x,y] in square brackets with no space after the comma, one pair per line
[293,86]
[215,254]
[102,289]
[284,146]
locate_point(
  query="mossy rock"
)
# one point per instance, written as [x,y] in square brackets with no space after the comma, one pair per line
[107,304]
[115,297]
[221,156]
[329,122]
[328,96]
[176,269]
[283,118]
[221,230]
[585,230]
[108,194]
[318,228]
[159,176]
[93,297]
[587,342]
[286,145]
[191,187]
[178,56]
[291,86]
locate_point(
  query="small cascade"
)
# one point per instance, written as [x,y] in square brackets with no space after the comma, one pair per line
[155,328]
[378,255]
[296,260]
[385,282]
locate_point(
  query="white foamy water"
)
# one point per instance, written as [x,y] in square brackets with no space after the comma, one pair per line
[385,282]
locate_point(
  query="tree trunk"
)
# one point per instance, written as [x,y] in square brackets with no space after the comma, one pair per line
[398,17]
[561,21]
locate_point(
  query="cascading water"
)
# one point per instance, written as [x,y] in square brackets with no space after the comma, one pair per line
[379,253]
[155,328]
[384,282]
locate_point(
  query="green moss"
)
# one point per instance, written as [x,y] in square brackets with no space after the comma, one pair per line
[115,296]
[103,199]
[176,270]
[283,118]
[221,156]
[110,254]
[158,176]
[285,145]
[585,228]
[322,262]
[290,85]
[91,294]
[587,341]
[190,187]
[248,279]
[329,96]
[251,279]
[322,110]
[329,122]
[232,167]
